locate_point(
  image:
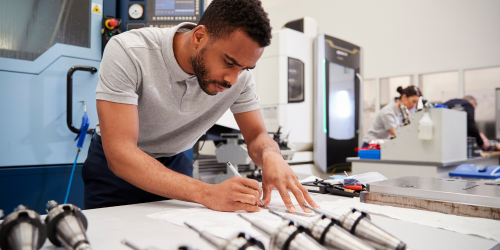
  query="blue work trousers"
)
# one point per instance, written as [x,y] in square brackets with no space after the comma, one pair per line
[104,189]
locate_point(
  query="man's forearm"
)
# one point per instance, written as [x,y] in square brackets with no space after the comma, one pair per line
[145,172]
[262,145]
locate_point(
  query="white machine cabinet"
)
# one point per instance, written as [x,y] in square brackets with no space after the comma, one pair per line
[283,79]
[448,144]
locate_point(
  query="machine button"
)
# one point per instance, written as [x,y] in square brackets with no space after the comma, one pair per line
[111,23]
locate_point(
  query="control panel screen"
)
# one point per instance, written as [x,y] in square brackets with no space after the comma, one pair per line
[174,7]
[169,13]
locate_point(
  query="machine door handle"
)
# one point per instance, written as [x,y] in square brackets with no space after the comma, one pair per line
[69,97]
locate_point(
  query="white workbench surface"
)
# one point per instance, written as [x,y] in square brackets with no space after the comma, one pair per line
[108,226]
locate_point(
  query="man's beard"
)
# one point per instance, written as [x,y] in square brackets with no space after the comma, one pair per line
[200,70]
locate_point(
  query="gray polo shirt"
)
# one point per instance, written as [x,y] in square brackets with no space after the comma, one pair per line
[389,117]
[139,68]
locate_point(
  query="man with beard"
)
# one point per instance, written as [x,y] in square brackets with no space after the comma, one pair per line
[160,89]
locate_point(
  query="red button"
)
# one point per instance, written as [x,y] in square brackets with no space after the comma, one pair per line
[113,23]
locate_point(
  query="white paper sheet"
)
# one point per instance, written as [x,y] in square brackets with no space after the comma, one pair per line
[225,224]
[310,178]
[222,224]
[489,229]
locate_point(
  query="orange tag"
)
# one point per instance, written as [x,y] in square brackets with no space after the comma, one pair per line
[357,187]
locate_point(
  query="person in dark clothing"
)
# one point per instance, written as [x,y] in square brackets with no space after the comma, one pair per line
[469,103]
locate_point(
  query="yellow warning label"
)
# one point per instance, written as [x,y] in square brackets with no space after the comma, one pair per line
[96,10]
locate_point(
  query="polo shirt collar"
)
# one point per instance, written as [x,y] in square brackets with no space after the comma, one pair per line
[397,110]
[176,72]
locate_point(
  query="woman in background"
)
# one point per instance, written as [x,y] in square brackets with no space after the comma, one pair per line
[390,116]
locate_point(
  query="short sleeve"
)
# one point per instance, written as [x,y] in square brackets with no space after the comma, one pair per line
[248,99]
[118,77]
[389,121]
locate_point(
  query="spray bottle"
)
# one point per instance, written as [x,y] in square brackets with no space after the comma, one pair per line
[425,127]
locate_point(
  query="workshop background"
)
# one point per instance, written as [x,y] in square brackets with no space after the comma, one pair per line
[50,51]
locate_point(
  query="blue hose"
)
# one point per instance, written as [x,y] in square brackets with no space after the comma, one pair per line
[79,145]
[71,177]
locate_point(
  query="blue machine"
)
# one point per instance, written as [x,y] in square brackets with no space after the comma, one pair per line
[50,52]
[34,78]
[41,41]
[472,171]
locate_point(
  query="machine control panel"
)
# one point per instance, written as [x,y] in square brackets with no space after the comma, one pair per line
[169,13]
[138,14]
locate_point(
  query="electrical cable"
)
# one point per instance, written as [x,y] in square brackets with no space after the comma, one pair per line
[71,177]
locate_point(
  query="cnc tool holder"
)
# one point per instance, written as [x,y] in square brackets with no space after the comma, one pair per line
[359,224]
[328,233]
[22,229]
[67,226]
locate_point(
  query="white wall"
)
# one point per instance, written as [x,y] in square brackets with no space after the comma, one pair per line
[405,37]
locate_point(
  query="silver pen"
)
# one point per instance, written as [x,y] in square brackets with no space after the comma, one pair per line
[130,244]
[238,174]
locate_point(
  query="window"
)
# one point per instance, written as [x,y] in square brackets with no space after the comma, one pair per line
[295,80]
[369,103]
[440,87]
[481,84]
[28,28]
[341,105]
[389,86]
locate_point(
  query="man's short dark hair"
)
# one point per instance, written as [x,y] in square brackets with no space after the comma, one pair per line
[222,17]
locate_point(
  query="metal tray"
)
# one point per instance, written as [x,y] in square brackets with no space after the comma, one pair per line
[482,193]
